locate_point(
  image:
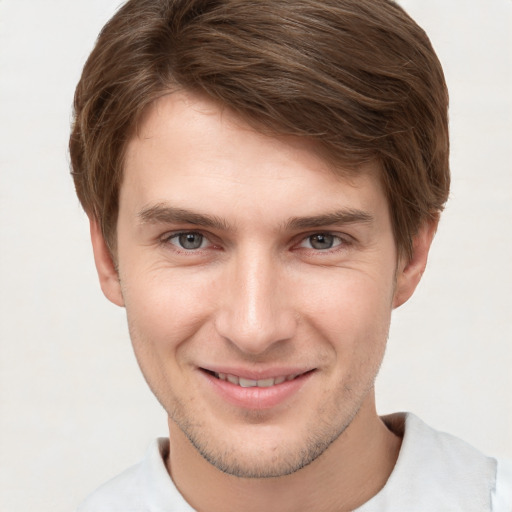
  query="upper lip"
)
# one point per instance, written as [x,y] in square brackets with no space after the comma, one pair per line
[257,374]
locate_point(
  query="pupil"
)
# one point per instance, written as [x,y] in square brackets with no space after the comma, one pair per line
[322,241]
[191,240]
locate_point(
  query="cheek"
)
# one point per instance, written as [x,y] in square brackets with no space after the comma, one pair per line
[350,292]
[164,312]
[166,308]
[352,310]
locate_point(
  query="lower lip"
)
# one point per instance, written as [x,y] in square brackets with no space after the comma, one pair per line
[256,398]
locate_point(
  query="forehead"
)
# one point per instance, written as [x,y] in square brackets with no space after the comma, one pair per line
[200,121]
[187,145]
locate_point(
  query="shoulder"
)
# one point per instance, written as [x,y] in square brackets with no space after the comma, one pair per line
[121,493]
[145,487]
[502,495]
[438,471]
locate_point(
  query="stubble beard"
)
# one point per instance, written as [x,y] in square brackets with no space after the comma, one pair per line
[284,460]
[328,424]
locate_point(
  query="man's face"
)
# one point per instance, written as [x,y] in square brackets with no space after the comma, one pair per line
[258,285]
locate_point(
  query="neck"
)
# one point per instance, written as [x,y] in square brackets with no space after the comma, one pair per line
[351,471]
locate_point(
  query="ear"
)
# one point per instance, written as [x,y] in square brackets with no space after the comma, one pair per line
[409,271]
[107,272]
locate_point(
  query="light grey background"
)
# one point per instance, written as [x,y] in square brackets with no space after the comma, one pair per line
[74,409]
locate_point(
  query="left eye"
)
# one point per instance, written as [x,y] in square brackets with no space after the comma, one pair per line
[188,241]
[321,241]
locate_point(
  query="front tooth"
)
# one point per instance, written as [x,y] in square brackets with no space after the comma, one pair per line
[232,378]
[247,383]
[279,380]
[265,383]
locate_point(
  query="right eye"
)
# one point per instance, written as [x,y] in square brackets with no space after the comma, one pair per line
[189,241]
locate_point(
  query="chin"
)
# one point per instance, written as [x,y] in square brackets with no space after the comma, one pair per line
[269,454]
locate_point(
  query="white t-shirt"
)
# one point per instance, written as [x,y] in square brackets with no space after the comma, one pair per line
[435,472]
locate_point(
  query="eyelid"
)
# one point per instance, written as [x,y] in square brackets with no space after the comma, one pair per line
[170,235]
[345,240]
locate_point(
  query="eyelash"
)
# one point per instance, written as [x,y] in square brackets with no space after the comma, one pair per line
[340,242]
[335,239]
[167,239]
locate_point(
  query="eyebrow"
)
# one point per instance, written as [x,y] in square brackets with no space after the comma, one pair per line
[344,216]
[172,215]
[162,213]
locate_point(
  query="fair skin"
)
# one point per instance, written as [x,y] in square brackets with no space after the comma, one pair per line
[258,286]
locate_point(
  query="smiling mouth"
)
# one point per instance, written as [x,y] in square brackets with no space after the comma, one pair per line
[251,383]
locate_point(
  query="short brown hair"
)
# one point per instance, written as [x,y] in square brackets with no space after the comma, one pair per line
[358,76]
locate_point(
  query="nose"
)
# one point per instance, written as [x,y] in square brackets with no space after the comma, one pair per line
[255,308]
